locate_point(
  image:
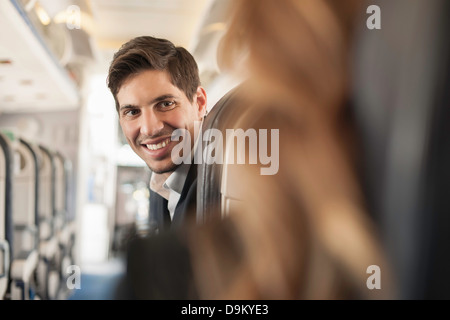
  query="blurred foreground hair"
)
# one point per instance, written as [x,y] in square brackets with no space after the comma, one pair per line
[303,233]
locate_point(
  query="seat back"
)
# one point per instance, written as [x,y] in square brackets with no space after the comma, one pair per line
[25,200]
[6,241]
[65,226]
[46,194]
[60,192]
[47,270]
[212,194]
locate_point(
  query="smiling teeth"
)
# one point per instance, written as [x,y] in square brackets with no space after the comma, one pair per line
[159,145]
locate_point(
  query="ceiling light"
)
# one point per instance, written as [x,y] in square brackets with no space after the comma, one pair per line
[42,15]
[75,20]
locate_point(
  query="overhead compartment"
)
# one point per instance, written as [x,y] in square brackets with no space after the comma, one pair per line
[33,74]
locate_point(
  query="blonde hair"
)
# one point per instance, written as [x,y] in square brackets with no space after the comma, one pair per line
[303,233]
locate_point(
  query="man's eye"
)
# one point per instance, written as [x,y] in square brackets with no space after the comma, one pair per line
[167,104]
[130,112]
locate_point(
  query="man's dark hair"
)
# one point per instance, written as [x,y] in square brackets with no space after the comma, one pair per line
[149,53]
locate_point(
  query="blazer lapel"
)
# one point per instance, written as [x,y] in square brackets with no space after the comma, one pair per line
[159,217]
[188,199]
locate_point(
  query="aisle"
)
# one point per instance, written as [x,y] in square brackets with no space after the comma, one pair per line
[99,281]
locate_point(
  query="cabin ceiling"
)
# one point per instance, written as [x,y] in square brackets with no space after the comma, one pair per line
[47,45]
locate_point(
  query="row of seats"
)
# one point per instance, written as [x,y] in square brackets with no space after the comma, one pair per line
[36,235]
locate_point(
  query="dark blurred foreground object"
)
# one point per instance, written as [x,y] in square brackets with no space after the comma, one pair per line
[402,103]
[158,268]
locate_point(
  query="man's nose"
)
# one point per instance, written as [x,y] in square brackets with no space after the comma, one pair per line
[151,123]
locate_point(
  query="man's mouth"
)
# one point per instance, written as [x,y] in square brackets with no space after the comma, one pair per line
[159,145]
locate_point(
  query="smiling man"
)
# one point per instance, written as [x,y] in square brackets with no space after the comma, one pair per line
[156,87]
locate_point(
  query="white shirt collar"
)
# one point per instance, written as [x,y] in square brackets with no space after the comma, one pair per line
[175,181]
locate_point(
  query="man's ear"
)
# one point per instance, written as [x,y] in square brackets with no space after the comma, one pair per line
[202,101]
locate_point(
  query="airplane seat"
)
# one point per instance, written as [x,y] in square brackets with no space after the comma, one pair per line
[47,271]
[65,224]
[219,187]
[401,102]
[6,241]
[25,221]
[219,190]
[212,197]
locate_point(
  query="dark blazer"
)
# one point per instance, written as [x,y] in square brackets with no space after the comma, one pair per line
[159,216]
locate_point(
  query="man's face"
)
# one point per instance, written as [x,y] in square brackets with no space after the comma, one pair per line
[150,109]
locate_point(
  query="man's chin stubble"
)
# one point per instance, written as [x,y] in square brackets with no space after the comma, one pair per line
[170,169]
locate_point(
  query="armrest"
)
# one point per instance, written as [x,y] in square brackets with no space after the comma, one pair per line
[23,267]
[4,247]
[65,236]
[49,248]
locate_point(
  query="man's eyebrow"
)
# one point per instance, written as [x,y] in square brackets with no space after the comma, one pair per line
[127,106]
[157,99]
[163,97]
